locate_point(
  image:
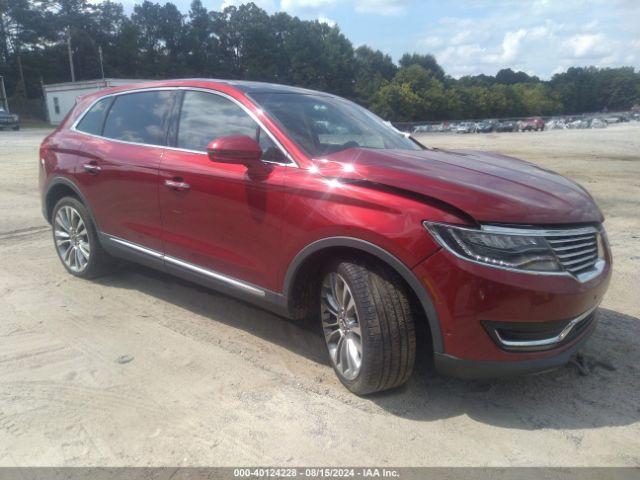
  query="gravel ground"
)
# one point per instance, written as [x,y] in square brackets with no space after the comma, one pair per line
[139,368]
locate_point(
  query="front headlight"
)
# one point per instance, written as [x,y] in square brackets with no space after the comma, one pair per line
[15,117]
[506,250]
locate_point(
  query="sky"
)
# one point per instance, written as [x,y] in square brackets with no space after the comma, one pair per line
[468,37]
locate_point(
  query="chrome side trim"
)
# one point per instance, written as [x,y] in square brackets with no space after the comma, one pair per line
[190,266]
[545,342]
[284,151]
[135,246]
[218,276]
[583,277]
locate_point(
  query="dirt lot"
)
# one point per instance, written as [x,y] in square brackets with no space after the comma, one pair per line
[216,382]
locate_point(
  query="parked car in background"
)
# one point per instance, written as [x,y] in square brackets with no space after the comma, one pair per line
[466,127]
[422,129]
[8,120]
[310,206]
[506,126]
[533,124]
[556,124]
[486,126]
[618,118]
[597,123]
[578,124]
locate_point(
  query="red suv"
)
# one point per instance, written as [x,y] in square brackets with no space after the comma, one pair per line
[311,206]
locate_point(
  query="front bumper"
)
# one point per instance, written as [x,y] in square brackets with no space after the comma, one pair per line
[487,369]
[473,302]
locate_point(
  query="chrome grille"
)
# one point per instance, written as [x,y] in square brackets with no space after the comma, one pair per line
[576,250]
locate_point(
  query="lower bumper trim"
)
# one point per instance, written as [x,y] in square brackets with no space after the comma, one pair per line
[485,369]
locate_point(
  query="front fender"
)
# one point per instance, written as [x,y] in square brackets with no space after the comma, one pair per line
[389,259]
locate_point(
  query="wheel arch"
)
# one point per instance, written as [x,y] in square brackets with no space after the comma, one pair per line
[315,252]
[58,188]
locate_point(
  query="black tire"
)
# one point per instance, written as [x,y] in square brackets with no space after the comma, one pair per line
[386,324]
[15,129]
[99,261]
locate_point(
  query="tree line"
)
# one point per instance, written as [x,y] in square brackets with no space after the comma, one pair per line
[245,42]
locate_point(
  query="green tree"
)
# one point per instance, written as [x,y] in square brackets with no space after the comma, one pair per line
[428,62]
[372,69]
[413,94]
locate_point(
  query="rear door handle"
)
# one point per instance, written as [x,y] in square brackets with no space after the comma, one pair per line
[177,184]
[92,168]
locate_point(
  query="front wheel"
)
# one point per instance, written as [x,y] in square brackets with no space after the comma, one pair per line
[368,326]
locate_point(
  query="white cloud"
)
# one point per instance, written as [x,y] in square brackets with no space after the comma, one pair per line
[382,7]
[545,39]
[511,45]
[296,5]
[461,37]
[431,42]
[328,21]
[587,45]
[269,5]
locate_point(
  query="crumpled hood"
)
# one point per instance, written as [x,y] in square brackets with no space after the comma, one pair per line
[490,187]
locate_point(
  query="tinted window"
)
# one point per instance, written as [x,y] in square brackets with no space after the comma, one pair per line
[139,117]
[206,116]
[94,119]
[324,124]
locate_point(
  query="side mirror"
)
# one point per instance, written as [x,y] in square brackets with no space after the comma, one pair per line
[238,149]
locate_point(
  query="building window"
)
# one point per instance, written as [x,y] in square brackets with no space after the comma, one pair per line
[56,105]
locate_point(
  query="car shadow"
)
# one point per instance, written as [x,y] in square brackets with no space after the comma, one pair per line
[601,390]
[605,393]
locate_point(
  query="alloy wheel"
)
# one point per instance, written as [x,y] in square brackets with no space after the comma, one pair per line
[72,238]
[341,326]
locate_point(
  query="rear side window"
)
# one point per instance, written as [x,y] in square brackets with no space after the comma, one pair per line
[207,116]
[139,117]
[93,120]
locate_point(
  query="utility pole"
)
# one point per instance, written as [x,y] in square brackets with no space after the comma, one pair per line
[73,73]
[3,95]
[101,65]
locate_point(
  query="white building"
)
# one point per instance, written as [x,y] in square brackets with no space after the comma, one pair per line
[61,97]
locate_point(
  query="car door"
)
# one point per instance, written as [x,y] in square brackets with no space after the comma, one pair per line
[119,171]
[221,221]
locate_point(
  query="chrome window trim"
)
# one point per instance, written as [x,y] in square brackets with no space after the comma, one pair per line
[583,277]
[189,266]
[292,163]
[545,342]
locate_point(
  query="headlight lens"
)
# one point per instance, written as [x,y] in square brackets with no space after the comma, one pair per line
[506,250]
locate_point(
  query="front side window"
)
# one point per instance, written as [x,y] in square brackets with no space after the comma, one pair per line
[207,116]
[322,124]
[93,120]
[139,117]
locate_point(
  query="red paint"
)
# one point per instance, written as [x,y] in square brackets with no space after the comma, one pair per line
[246,219]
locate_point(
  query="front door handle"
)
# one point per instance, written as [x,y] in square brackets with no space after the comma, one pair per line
[177,184]
[92,168]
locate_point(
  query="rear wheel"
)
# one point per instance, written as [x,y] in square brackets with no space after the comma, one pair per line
[76,239]
[368,326]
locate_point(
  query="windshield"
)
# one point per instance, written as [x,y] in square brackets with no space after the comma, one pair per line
[321,125]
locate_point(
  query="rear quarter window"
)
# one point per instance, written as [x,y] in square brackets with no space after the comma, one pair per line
[93,120]
[139,117]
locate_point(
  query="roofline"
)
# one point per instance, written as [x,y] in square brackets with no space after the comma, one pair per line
[246,87]
[88,83]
